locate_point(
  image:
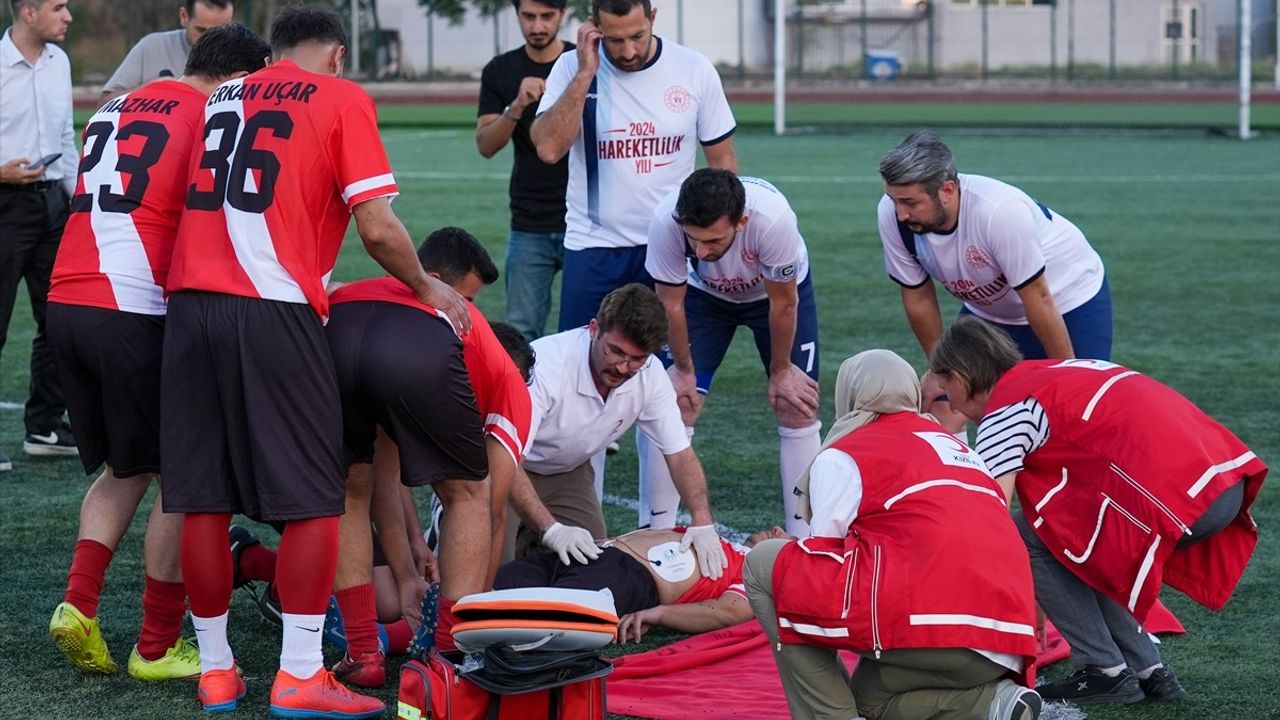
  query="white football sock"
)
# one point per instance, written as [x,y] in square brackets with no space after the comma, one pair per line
[211,636]
[797,447]
[300,653]
[659,499]
[597,466]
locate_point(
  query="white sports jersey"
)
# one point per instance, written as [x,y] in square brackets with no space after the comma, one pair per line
[638,140]
[768,248]
[571,423]
[1003,240]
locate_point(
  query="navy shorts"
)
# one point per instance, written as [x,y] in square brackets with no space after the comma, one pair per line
[401,368]
[713,322]
[251,421]
[1088,326]
[630,582]
[591,274]
[109,365]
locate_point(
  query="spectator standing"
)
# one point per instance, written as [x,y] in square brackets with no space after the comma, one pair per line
[35,123]
[164,54]
[628,108]
[510,88]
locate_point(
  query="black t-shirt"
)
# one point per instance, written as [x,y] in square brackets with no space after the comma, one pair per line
[537,189]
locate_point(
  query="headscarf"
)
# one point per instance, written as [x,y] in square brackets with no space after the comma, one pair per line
[870,384]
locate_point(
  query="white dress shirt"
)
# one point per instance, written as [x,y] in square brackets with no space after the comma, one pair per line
[571,422]
[35,110]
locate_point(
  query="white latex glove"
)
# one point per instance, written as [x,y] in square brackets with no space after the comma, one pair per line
[707,547]
[575,541]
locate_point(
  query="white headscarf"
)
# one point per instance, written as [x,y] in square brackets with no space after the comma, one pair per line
[870,384]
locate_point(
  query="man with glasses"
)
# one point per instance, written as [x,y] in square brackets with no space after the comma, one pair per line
[590,385]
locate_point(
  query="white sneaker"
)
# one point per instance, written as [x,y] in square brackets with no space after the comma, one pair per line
[1014,702]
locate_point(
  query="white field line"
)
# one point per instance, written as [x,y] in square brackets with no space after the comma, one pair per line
[6,405]
[731,534]
[875,179]
[1052,711]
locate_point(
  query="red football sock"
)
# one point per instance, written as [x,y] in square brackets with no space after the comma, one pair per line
[398,637]
[444,625]
[88,571]
[258,562]
[359,619]
[306,565]
[163,604]
[206,563]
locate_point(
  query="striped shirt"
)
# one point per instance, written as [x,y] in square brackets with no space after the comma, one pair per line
[1008,435]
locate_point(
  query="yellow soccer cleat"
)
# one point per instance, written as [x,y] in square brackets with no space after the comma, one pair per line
[180,662]
[80,639]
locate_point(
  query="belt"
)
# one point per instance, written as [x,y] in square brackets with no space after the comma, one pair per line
[37,186]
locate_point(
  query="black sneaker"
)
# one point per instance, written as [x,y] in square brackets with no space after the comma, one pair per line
[268,606]
[5,463]
[57,442]
[1091,685]
[1162,686]
[240,538]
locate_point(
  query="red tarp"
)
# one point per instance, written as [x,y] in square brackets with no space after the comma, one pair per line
[730,674]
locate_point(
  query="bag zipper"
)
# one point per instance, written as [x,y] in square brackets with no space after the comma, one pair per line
[875,605]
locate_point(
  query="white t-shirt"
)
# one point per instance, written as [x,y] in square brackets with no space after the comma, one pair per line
[571,423]
[1003,240]
[768,248]
[638,140]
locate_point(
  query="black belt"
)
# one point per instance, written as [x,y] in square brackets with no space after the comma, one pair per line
[37,186]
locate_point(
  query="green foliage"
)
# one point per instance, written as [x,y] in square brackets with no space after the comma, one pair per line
[1185,222]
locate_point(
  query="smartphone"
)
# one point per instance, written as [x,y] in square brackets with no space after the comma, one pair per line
[44,161]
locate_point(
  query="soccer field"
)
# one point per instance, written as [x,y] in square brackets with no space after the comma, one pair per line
[1188,225]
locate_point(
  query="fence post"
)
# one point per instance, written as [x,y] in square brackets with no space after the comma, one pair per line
[799,41]
[1053,42]
[1175,42]
[355,37]
[984,42]
[431,44]
[1111,56]
[929,37]
[862,29]
[742,32]
[1071,39]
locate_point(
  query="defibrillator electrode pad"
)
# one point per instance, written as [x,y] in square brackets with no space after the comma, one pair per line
[672,564]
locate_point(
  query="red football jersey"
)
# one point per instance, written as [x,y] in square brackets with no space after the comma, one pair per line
[286,155]
[501,393]
[118,241]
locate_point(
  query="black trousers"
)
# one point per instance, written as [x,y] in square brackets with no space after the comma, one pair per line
[31,222]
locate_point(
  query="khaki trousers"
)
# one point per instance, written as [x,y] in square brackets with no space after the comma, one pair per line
[906,684]
[571,498]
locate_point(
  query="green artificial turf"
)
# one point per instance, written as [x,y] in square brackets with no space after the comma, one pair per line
[1188,225]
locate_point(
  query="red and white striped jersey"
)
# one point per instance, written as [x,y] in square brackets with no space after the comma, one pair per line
[286,155]
[501,393]
[118,241]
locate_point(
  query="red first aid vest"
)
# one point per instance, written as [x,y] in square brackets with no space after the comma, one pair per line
[1128,467]
[932,559]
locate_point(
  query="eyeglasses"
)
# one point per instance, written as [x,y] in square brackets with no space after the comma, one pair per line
[615,355]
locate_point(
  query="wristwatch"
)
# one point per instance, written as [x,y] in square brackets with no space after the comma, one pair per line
[506,113]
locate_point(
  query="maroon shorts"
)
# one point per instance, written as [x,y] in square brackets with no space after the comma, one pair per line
[109,364]
[402,369]
[249,403]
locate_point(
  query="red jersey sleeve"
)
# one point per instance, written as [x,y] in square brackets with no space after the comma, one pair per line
[356,151]
[501,393]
